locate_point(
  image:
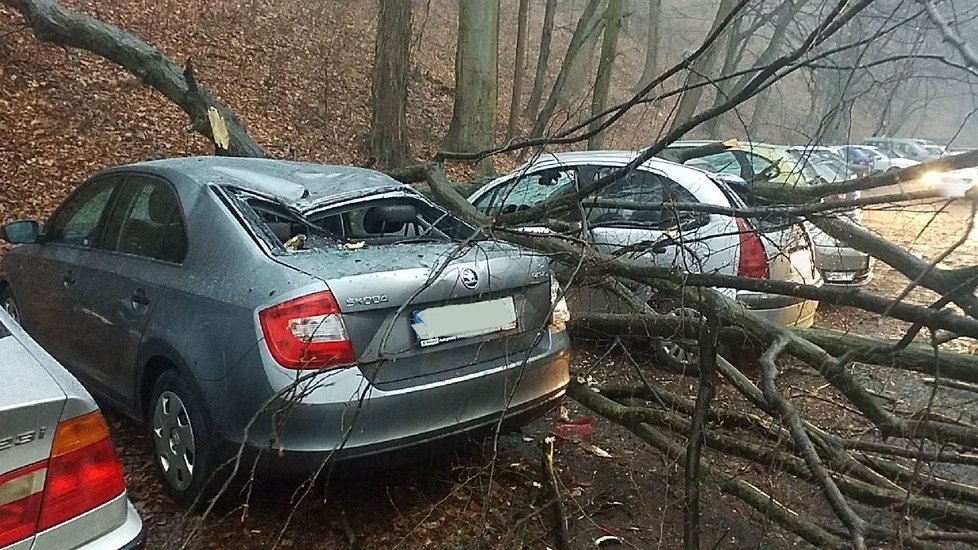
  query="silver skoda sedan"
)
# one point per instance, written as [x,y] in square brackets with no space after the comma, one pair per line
[297,312]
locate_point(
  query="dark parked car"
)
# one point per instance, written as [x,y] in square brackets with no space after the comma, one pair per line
[310,312]
[61,483]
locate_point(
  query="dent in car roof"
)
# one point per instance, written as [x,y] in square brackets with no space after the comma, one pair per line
[299,183]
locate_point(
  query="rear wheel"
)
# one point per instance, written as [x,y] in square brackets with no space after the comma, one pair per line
[680,355]
[180,437]
[9,304]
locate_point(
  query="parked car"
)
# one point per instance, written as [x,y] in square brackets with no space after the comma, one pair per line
[753,162]
[304,312]
[881,161]
[840,264]
[914,149]
[61,483]
[694,242]
[859,161]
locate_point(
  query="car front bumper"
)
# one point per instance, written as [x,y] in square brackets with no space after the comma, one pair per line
[344,417]
[844,266]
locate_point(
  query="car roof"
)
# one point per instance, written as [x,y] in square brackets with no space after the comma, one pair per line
[672,170]
[299,183]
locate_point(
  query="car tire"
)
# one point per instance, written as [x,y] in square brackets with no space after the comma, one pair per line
[678,355]
[180,438]
[9,304]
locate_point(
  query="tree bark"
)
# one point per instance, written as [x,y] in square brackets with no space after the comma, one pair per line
[702,66]
[543,59]
[651,67]
[582,31]
[388,139]
[519,67]
[473,126]
[602,82]
[735,44]
[51,22]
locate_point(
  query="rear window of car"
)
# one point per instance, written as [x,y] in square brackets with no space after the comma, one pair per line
[384,220]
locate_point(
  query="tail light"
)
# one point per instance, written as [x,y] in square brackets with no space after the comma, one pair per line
[82,473]
[307,333]
[560,313]
[753,259]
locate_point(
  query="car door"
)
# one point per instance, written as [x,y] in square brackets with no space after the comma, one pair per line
[665,238]
[143,243]
[47,285]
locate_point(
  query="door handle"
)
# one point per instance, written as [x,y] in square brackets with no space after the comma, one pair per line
[68,278]
[139,297]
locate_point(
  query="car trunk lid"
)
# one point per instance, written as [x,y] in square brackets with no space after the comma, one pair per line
[383,291]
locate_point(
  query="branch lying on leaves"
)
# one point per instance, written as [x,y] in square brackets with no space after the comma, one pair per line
[54,23]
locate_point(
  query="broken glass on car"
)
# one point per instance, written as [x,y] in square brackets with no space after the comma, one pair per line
[385,219]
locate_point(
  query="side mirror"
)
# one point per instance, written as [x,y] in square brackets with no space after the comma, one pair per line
[20,232]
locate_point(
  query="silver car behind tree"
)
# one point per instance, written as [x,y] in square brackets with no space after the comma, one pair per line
[692,241]
[61,484]
[305,312]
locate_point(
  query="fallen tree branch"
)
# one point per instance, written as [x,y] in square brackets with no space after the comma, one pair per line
[53,23]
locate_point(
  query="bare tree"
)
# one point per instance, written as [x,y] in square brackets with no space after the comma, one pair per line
[388,139]
[650,69]
[606,63]
[582,32]
[543,59]
[690,100]
[519,67]
[473,124]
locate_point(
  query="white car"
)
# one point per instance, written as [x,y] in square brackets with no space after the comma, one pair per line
[881,161]
[694,242]
[61,484]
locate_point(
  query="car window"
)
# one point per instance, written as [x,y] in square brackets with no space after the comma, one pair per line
[758,164]
[146,221]
[526,191]
[370,222]
[78,218]
[725,163]
[642,187]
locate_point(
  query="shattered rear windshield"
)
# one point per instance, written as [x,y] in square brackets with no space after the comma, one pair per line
[368,221]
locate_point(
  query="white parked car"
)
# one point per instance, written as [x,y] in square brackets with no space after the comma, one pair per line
[882,162]
[61,483]
[691,241]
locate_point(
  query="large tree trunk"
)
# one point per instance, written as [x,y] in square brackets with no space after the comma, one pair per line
[651,68]
[519,67]
[543,59]
[735,44]
[700,70]
[609,50]
[583,31]
[473,125]
[388,140]
[54,23]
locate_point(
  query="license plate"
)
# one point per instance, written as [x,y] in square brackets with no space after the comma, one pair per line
[436,325]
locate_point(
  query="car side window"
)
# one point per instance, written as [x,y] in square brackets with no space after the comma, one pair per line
[76,222]
[146,221]
[646,188]
[527,191]
[758,164]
